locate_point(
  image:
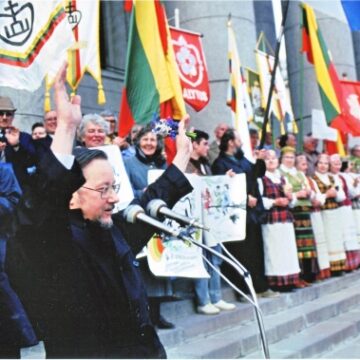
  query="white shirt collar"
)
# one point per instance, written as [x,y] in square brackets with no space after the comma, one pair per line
[292,171]
[274,176]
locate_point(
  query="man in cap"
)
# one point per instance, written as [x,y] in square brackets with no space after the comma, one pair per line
[16,147]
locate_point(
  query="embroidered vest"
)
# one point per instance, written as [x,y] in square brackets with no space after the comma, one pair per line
[277,213]
[298,183]
[330,203]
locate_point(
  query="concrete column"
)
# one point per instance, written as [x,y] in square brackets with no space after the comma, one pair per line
[265,20]
[356,43]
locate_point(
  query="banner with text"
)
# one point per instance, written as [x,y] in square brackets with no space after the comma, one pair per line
[192,67]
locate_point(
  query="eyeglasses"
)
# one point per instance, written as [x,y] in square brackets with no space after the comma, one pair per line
[106,192]
[111,121]
[6,113]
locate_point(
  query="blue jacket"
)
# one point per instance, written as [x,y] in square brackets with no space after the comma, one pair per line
[10,194]
[15,328]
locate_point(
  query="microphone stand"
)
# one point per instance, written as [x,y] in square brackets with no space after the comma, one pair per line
[135,212]
[183,234]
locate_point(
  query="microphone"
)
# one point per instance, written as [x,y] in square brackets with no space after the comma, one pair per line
[158,207]
[135,213]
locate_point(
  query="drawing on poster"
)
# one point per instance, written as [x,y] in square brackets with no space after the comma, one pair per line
[224,207]
[169,256]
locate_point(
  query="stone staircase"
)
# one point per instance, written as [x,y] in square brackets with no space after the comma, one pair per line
[306,323]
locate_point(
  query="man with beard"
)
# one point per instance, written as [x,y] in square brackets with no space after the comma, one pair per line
[87,296]
[249,251]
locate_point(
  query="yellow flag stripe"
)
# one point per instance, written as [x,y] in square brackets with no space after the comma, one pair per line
[321,69]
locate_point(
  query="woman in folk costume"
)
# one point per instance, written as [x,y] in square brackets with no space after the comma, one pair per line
[347,221]
[281,260]
[301,211]
[330,213]
[353,183]
[317,199]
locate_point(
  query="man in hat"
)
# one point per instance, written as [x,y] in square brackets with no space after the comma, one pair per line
[16,147]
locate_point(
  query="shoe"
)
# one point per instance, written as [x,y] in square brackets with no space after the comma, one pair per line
[208,309]
[268,294]
[162,323]
[223,305]
[302,284]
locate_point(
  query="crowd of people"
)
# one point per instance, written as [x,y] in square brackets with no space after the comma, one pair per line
[74,282]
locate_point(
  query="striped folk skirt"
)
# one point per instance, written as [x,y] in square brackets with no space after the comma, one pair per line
[305,242]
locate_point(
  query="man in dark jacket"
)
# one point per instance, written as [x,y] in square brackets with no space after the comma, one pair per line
[249,251]
[16,147]
[88,297]
[15,329]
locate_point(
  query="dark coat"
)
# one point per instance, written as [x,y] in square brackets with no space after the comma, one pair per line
[87,296]
[15,328]
[23,159]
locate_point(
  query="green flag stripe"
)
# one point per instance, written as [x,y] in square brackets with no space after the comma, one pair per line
[142,94]
[329,110]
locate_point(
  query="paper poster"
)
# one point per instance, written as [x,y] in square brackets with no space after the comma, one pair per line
[125,193]
[224,208]
[172,257]
[319,127]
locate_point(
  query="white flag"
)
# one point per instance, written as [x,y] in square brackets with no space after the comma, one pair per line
[280,103]
[238,96]
[83,15]
[34,38]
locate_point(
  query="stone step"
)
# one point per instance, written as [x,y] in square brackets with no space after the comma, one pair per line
[179,309]
[316,340]
[349,349]
[233,334]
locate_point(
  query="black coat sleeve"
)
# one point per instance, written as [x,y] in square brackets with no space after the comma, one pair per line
[53,188]
[170,187]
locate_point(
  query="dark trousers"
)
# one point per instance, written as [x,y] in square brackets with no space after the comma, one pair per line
[15,328]
[250,253]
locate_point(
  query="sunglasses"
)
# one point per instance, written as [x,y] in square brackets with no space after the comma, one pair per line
[7,113]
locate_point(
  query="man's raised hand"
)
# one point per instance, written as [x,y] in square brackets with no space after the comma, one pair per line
[68,110]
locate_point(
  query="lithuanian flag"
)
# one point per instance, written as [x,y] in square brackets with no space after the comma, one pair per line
[329,84]
[152,84]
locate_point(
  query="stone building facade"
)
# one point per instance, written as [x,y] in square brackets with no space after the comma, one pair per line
[210,19]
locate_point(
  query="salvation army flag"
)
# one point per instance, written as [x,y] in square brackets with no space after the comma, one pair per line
[34,38]
[192,69]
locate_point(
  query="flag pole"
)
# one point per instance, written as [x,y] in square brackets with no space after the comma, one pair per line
[272,83]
